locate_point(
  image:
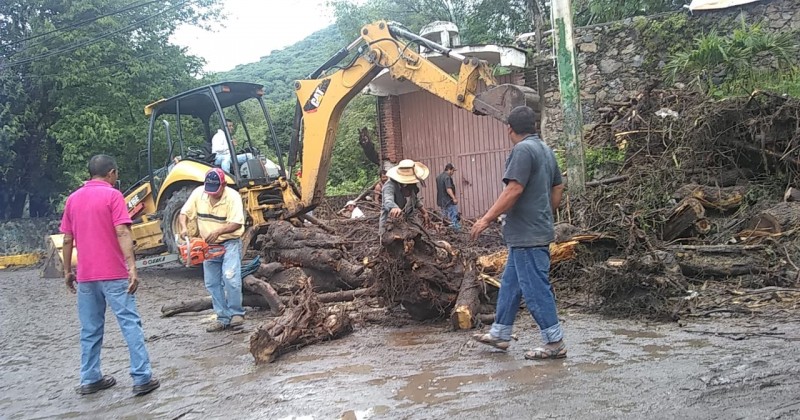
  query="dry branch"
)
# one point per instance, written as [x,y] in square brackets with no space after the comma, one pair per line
[263,288]
[302,323]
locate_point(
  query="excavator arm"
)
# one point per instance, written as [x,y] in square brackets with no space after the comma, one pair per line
[323,98]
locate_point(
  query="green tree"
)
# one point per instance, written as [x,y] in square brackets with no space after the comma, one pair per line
[590,12]
[74,78]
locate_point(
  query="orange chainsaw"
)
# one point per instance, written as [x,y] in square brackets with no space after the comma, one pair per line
[196,250]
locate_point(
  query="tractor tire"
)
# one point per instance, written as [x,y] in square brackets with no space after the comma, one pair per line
[170,226]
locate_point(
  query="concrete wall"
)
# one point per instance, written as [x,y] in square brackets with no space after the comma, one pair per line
[617,59]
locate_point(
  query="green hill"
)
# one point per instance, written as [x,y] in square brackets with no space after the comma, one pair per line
[350,170]
[278,70]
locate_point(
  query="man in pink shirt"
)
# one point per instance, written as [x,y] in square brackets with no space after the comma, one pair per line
[96,222]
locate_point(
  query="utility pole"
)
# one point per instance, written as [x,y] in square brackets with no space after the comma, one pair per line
[570,94]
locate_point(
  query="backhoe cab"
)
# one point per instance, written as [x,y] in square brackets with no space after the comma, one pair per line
[179,153]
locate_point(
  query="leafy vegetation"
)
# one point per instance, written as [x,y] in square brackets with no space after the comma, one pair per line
[749,58]
[590,12]
[72,86]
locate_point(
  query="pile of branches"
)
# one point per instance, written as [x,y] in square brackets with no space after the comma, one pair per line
[703,206]
[316,280]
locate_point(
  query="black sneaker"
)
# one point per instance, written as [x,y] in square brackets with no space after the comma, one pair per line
[146,388]
[106,382]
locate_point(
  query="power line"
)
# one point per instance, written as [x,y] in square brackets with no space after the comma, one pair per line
[101,66]
[93,40]
[83,22]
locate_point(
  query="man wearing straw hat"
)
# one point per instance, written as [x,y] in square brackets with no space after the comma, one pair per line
[400,193]
[531,195]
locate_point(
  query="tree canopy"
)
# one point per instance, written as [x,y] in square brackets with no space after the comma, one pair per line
[74,79]
[75,76]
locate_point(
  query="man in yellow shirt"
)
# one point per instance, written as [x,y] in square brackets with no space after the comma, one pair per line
[219,213]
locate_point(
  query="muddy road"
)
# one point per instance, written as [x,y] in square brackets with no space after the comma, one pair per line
[615,369]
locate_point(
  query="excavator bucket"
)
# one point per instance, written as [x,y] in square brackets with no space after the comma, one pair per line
[498,101]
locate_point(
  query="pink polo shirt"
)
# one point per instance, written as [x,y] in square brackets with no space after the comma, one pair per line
[90,216]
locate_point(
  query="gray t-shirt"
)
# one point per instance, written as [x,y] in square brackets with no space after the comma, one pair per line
[443,182]
[529,223]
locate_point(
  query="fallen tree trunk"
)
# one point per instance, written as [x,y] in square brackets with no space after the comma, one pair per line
[302,323]
[781,218]
[322,259]
[683,217]
[204,304]
[290,280]
[266,271]
[705,265]
[720,198]
[263,288]
[466,309]
[343,296]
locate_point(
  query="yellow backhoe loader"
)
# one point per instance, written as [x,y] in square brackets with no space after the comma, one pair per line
[176,167]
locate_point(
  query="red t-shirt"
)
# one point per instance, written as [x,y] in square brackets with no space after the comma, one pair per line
[90,216]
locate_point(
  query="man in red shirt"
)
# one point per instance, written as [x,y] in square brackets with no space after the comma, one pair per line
[96,222]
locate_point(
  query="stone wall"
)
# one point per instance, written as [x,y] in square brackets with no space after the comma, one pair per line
[617,59]
[26,236]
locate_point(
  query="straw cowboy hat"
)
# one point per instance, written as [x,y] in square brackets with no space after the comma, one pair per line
[408,172]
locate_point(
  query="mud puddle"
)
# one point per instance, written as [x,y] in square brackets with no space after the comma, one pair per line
[615,369]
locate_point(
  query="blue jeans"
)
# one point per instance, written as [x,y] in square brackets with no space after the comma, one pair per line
[451,211]
[92,299]
[223,278]
[526,275]
[224,161]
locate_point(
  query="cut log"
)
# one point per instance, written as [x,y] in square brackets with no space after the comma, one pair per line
[284,235]
[598,246]
[268,270]
[204,304]
[463,315]
[683,217]
[329,260]
[791,194]
[720,198]
[720,265]
[263,288]
[290,280]
[781,218]
[343,296]
[302,323]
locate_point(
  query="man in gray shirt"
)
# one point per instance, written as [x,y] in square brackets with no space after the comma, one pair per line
[446,195]
[531,195]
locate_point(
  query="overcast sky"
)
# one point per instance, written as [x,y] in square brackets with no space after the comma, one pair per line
[253,29]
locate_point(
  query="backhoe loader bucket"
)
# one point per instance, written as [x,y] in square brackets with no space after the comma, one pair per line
[498,101]
[53,264]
